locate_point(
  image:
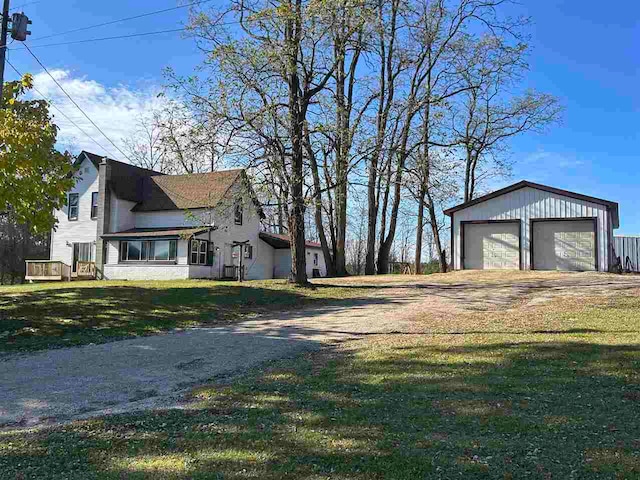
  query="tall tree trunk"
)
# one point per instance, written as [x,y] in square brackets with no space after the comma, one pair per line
[433,217]
[385,100]
[297,115]
[317,201]
[342,159]
[419,231]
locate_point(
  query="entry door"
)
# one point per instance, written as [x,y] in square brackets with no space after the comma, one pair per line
[491,246]
[564,245]
[82,252]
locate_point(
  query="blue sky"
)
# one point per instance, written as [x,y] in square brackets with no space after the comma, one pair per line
[583,52]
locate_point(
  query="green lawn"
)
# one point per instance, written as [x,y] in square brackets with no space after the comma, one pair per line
[555,396]
[40,316]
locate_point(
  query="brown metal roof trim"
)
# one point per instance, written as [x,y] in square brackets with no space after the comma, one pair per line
[277,240]
[177,232]
[613,206]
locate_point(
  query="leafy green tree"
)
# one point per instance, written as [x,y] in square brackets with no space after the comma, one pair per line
[34,176]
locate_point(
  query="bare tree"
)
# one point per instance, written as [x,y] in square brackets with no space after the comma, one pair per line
[489,115]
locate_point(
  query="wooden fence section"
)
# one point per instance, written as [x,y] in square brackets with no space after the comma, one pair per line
[628,249]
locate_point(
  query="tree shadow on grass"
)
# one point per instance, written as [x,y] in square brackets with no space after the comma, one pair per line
[79,315]
[399,410]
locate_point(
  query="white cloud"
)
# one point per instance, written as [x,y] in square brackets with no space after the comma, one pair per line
[551,159]
[116,110]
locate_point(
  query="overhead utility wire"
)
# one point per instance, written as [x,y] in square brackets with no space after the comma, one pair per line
[116,37]
[13,9]
[75,103]
[72,42]
[142,15]
[59,110]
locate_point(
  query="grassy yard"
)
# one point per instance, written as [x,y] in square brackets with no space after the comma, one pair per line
[40,316]
[546,391]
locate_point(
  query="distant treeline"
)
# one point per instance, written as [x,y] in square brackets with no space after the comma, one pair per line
[18,244]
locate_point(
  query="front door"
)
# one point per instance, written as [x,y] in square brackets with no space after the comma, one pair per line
[82,252]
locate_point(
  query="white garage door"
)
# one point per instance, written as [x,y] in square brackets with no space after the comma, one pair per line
[564,245]
[491,246]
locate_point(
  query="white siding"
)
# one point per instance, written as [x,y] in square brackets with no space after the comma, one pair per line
[527,203]
[122,218]
[281,262]
[310,266]
[82,230]
[226,232]
[260,266]
[172,218]
[146,272]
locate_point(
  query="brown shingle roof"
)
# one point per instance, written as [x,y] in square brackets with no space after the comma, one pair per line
[178,192]
[127,181]
[154,191]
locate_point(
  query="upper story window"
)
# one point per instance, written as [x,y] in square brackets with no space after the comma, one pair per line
[237,213]
[73,206]
[315,259]
[94,205]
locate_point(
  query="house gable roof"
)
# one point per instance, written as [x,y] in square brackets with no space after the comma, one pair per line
[613,206]
[180,192]
[126,180]
[155,191]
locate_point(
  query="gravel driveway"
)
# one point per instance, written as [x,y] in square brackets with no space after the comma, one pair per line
[147,372]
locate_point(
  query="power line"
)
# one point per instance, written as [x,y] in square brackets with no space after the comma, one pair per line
[142,15]
[144,34]
[115,37]
[13,9]
[75,103]
[58,109]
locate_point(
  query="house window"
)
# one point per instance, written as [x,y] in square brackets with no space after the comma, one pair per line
[315,259]
[73,206]
[248,251]
[148,250]
[237,214]
[94,205]
[199,253]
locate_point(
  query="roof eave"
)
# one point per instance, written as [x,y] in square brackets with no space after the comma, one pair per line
[524,183]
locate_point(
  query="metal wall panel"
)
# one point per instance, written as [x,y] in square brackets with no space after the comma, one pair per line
[626,246]
[527,203]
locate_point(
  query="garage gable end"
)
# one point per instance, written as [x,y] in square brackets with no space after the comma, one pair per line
[612,206]
[571,248]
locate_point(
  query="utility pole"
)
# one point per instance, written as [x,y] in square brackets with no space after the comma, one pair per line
[3,43]
[19,24]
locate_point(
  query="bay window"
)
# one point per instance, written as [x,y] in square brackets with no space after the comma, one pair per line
[148,250]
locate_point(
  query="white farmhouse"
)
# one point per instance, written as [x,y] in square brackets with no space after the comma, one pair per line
[127,222]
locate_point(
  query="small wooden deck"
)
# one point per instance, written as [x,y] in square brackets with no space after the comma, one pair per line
[53,270]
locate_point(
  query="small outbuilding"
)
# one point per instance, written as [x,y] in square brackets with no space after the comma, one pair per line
[529,226]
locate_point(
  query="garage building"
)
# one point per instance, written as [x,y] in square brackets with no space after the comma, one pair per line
[531,226]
